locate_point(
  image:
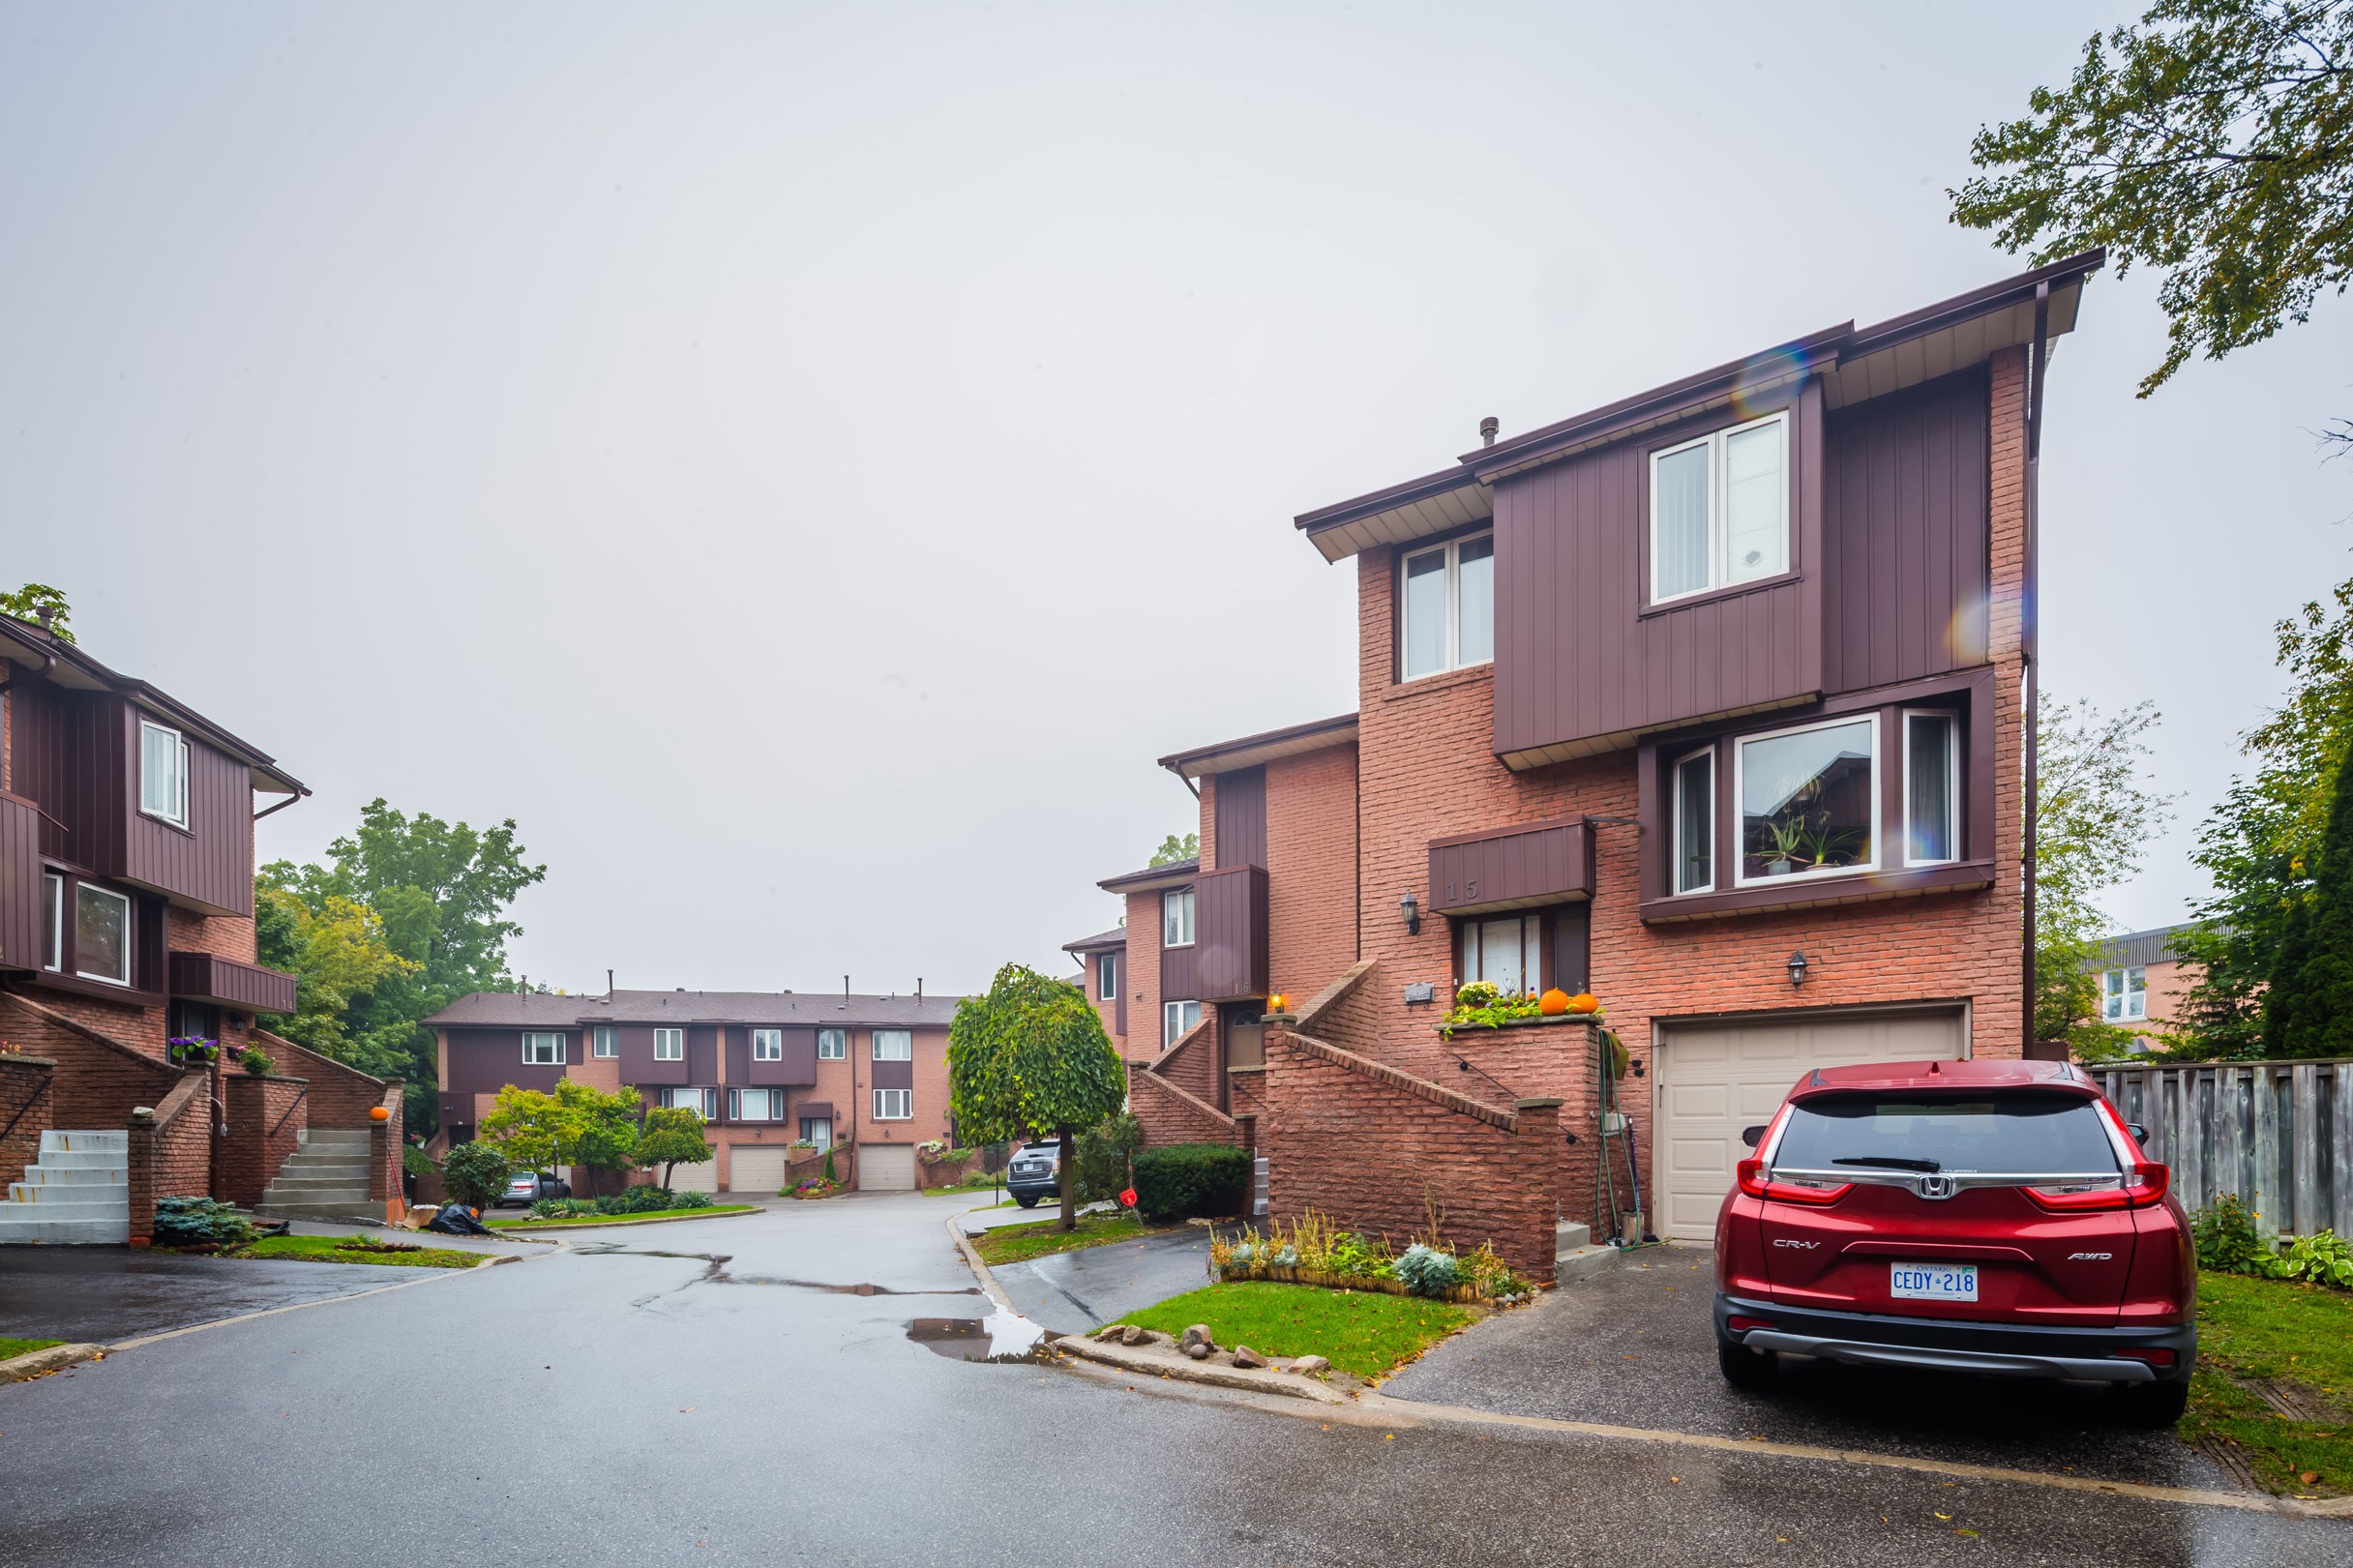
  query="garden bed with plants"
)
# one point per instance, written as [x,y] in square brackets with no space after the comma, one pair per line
[1364,1333]
[1480,1005]
[1314,1253]
[639,1202]
[356,1248]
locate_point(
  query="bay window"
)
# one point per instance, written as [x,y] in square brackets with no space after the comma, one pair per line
[669,1045]
[1808,800]
[894,1045]
[543,1049]
[1719,510]
[162,774]
[101,934]
[1177,918]
[1446,607]
[1932,788]
[767,1044]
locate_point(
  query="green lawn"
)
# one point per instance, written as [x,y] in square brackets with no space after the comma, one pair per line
[357,1249]
[988,1186]
[16,1347]
[619,1219]
[2299,1339]
[1013,1243]
[1359,1331]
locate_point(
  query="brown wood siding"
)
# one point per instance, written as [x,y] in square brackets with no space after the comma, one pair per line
[1580,657]
[1229,931]
[1241,817]
[1905,520]
[1178,966]
[211,863]
[799,1065]
[484,1061]
[67,756]
[20,884]
[891,1074]
[207,977]
[633,1046]
[1515,868]
[702,1054]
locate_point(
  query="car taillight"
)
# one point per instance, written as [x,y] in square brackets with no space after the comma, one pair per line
[2144,1188]
[1756,1180]
[2155,1355]
[1742,1325]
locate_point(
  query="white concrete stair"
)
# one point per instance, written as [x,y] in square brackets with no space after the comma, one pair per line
[1574,1255]
[76,1192]
[325,1178]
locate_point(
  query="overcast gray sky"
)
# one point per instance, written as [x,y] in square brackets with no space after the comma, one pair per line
[804,463]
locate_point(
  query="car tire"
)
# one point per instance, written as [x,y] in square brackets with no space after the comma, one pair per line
[1743,1368]
[1027,1201]
[2153,1404]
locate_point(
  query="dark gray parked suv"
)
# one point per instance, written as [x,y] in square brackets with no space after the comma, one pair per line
[1036,1173]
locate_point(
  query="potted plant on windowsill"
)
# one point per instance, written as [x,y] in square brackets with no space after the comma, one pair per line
[1788,840]
[187,1050]
[256,1061]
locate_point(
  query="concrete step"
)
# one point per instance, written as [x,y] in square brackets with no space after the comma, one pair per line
[107,1198]
[306,1192]
[297,1181]
[321,1137]
[16,1231]
[85,1158]
[361,1207]
[1568,1235]
[306,1162]
[76,1176]
[1584,1262]
[67,1140]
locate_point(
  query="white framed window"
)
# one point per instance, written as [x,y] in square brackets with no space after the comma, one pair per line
[604,1042]
[1719,509]
[894,1104]
[756,1104]
[703,1103]
[1177,918]
[832,1045]
[894,1045]
[1446,607]
[101,934]
[52,921]
[1808,800]
[1507,953]
[2124,995]
[1107,977]
[162,773]
[818,1129]
[543,1049]
[767,1044]
[1177,1020]
[669,1045]
[1932,788]
[1694,846]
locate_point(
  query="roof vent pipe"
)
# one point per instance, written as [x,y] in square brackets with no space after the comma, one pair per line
[608,985]
[919,991]
[1486,431]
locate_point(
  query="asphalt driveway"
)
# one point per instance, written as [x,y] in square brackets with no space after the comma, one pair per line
[1636,1347]
[104,1294]
[1070,1293]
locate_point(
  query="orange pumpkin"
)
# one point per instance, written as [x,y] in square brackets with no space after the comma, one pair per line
[1553,1003]
[379,1114]
[1585,1001]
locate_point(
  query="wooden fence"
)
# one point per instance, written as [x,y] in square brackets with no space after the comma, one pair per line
[2280,1135]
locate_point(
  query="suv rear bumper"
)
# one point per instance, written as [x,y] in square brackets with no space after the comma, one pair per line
[1942,1344]
[1048,1185]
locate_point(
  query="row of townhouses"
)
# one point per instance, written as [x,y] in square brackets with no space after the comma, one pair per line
[1707,702]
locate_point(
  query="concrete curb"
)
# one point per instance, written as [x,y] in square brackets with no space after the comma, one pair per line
[995,1291]
[55,1358]
[1183,1369]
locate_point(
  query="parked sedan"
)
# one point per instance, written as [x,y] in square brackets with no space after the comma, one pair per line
[1036,1173]
[1987,1216]
[529,1187]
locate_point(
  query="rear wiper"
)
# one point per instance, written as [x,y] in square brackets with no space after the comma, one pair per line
[1889,1162]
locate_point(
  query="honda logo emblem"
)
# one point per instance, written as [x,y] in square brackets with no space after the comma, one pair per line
[1937,1187]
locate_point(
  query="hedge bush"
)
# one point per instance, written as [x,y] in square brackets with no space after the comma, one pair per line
[199,1221]
[1186,1180]
[1102,1156]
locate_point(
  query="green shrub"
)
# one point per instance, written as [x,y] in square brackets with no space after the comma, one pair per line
[2227,1239]
[415,1162]
[199,1221]
[689,1200]
[2322,1259]
[830,1177]
[642,1198]
[1427,1271]
[1184,1180]
[564,1208]
[476,1174]
[1100,1163]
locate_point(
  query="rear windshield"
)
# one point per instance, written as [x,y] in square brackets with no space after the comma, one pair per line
[2031,1134]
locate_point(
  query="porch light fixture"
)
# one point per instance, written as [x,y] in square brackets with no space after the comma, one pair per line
[1796,970]
[1411,907]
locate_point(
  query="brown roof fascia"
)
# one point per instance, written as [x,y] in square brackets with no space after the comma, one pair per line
[1183,763]
[1100,942]
[1364,506]
[1176,873]
[1976,302]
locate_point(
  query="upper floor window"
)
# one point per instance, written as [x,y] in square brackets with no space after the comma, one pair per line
[1177,918]
[101,934]
[2124,995]
[767,1044]
[162,773]
[1107,977]
[669,1045]
[832,1045]
[1177,1020]
[604,1042]
[52,922]
[1719,510]
[543,1049]
[1447,607]
[1932,788]
[894,1045]
[1808,800]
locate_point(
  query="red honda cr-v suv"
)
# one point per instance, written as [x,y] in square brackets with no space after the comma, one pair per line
[1992,1217]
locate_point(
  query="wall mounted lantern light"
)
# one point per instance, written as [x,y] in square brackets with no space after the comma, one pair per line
[1796,969]
[1411,907]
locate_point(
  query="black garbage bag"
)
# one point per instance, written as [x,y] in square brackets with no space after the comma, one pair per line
[457,1220]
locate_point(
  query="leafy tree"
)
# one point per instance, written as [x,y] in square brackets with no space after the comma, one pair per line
[476,1174]
[604,1126]
[28,602]
[672,1137]
[2213,140]
[2092,817]
[2308,1006]
[1174,849]
[1030,1059]
[339,958]
[530,1128]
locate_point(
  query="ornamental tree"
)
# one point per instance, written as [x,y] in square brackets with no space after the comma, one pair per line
[672,1137]
[1030,1059]
[604,1127]
[476,1174]
[529,1127]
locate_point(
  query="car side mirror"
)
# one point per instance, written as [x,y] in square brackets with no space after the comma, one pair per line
[2140,1134]
[1752,1135]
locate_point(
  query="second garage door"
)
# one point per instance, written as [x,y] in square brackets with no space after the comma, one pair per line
[886,1167]
[757,1168]
[1716,1078]
[694,1178]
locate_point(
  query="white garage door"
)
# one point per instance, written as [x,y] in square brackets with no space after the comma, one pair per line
[886,1167]
[757,1168]
[694,1178]
[1716,1078]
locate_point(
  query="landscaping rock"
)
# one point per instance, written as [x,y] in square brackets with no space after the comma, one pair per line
[1122,1332]
[1198,1351]
[1131,1334]
[1198,1334]
[1245,1357]
[1308,1366]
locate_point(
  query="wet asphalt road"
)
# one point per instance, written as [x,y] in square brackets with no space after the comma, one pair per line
[710,1392]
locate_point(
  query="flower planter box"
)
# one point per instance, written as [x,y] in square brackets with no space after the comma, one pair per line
[1538,1022]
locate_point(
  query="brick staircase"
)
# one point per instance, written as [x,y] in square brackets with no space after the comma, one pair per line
[76,1191]
[327,1177]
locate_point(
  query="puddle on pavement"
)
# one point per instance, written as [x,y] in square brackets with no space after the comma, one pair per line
[1001,1336]
[715,1272]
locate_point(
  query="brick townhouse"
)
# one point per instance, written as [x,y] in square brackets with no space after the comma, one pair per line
[778,1077]
[1708,701]
[126,920]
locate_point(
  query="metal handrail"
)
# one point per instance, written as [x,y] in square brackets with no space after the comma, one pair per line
[292,1107]
[22,1108]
